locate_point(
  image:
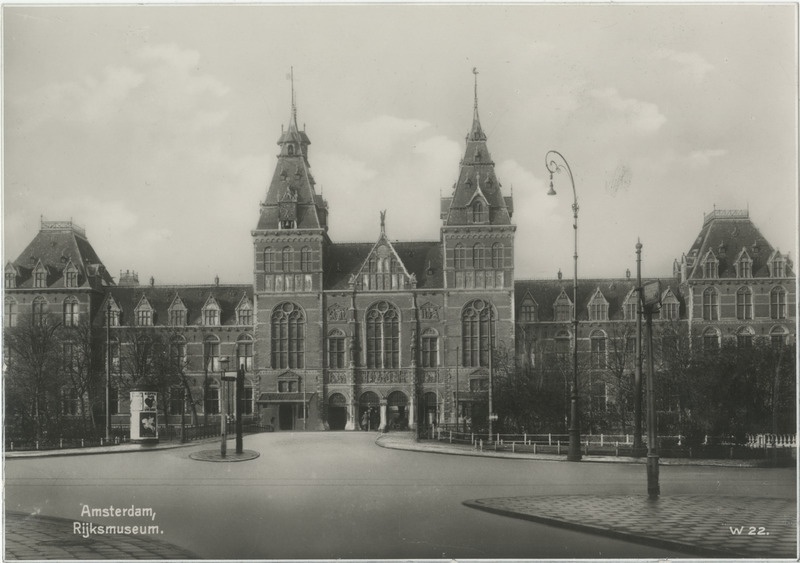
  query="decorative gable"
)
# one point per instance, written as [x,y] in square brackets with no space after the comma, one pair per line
[70,274]
[529,310]
[598,307]
[710,266]
[244,311]
[743,264]
[211,312]
[11,276]
[143,313]
[39,275]
[178,312]
[562,307]
[777,265]
[383,269]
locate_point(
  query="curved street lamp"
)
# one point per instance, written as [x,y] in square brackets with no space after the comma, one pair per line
[553,165]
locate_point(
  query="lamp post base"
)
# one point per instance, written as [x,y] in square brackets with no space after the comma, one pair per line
[653,488]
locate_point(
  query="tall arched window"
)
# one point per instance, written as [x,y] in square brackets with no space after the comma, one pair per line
[305,259]
[336,349]
[477,319]
[777,303]
[710,340]
[710,308]
[39,310]
[430,348]
[269,260]
[211,353]
[288,336]
[10,312]
[287,257]
[478,257]
[383,336]
[460,257]
[744,303]
[744,337]
[244,352]
[478,212]
[71,316]
[598,356]
[497,256]
[177,353]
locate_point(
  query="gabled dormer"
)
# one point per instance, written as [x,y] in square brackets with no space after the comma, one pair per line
[562,308]
[177,312]
[529,309]
[39,275]
[630,304]
[670,306]
[244,311]
[383,269]
[143,313]
[111,316]
[211,312]
[70,274]
[710,266]
[11,274]
[777,265]
[743,264]
[598,306]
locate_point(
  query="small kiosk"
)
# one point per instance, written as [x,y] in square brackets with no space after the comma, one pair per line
[144,416]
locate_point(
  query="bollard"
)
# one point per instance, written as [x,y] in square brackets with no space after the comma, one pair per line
[534,447]
[12,446]
[559,447]
[61,443]
[37,444]
[498,436]
[627,438]
[81,442]
[525,438]
[601,440]
[549,439]
[101,441]
[587,447]
[472,437]
[480,445]
[513,449]
[616,448]
[451,436]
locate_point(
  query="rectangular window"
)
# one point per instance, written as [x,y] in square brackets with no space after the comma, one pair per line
[244,354]
[177,317]
[287,386]
[39,278]
[598,353]
[113,400]
[176,402]
[245,316]
[212,400]
[669,311]
[430,351]
[336,352]
[247,401]
[71,279]
[210,317]
[211,355]
[10,316]
[144,317]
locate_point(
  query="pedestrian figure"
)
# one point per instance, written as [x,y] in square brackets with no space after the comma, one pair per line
[364,420]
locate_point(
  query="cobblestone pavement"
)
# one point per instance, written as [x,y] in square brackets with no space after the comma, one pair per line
[706,525]
[43,537]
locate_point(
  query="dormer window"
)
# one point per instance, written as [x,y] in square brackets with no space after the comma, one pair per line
[528,312]
[630,305]
[40,277]
[710,267]
[113,317]
[598,307]
[290,150]
[143,313]
[744,267]
[177,313]
[244,313]
[71,278]
[11,280]
[211,313]
[478,212]
[777,265]
[563,308]
[670,307]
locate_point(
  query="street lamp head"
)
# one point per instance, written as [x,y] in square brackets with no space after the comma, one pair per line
[552,191]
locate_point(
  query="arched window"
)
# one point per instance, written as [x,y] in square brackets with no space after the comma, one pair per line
[287,257]
[598,355]
[430,348]
[744,337]
[777,336]
[744,303]
[478,212]
[383,336]
[562,343]
[290,150]
[373,265]
[177,352]
[460,257]
[528,312]
[269,260]
[211,353]
[288,336]
[71,316]
[710,340]
[477,319]
[336,340]
[305,259]
[777,303]
[244,352]
[710,308]
[10,312]
[39,310]
[497,256]
[478,257]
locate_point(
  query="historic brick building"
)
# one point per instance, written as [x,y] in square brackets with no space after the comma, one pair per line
[386,334]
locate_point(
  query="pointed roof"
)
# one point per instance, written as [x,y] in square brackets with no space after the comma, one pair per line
[476,176]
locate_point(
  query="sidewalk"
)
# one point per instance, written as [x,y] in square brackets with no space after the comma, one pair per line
[44,537]
[708,526]
[120,448]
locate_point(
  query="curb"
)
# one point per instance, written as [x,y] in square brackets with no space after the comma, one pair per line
[609,532]
[102,450]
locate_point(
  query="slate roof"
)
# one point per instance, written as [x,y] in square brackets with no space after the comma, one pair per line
[55,245]
[615,291]
[193,297]
[423,259]
[727,233]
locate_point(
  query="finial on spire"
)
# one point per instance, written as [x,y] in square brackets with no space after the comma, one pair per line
[383,222]
[294,107]
[475,72]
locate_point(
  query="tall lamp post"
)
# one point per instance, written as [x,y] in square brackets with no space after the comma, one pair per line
[223,400]
[553,166]
[108,368]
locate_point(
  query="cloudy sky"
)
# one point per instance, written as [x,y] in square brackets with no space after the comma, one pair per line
[154,127]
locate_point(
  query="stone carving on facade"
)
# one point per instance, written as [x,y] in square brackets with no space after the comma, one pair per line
[431,376]
[382,376]
[337,377]
[337,313]
[429,312]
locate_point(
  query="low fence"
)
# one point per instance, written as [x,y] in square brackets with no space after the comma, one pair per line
[761,446]
[120,434]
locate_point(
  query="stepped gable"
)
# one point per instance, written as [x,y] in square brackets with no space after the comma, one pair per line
[56,245]
[293,184]
[615,291]
[423,259]
[194,298]
[476,180]
[726,233]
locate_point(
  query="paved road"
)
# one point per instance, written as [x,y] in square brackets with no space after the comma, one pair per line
[338,495]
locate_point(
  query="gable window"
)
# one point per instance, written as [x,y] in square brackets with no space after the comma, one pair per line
[497,256]
[245,315]
[710,267]
[563,308]
[287,257]
[71,278]
[39,310]
[630,307]
[744,303]
[39,278]
[478,212]
[336,349]
[477,319]
[9,312]
[460,257]
[71,316]
[669,310]
[211,316]
[710,307]
[777,303]
[430,348]
[305,259]
[598,352]
[211,353]
[288,336]
[244,352]
[383,336]
[112,318]
[777,266]
[528,311]
[177,317]
[478,257]
[11,280]
[598,308]
[745,267]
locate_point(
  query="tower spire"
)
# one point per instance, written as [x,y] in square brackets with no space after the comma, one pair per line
[476,133]
[294,106]
[475,72]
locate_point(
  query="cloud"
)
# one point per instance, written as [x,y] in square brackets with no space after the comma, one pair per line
[704,157]
[691,63]
[382,135]
[641,117]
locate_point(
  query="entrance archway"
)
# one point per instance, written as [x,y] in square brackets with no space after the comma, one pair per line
[429,409]
[337,412]
[397,411]
[369,411]
[286,416]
